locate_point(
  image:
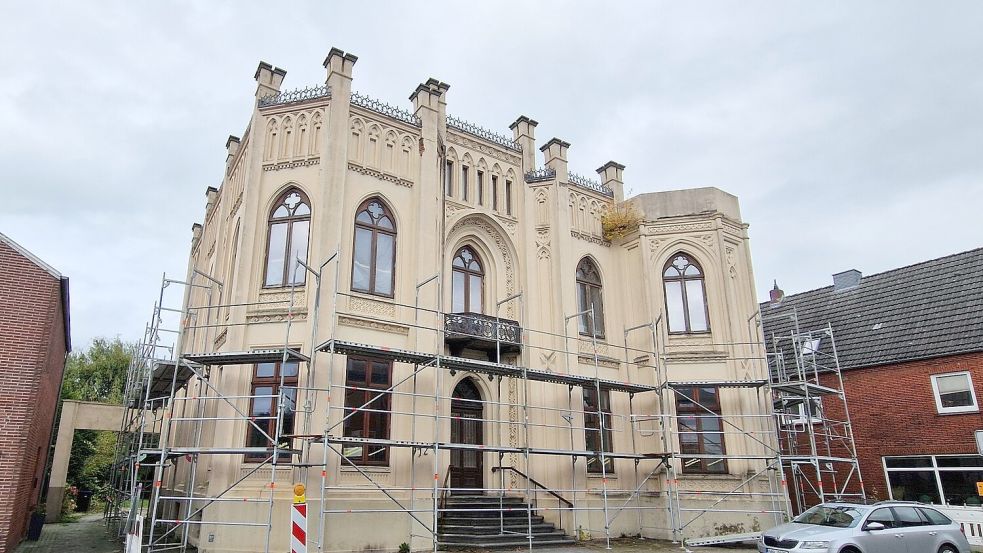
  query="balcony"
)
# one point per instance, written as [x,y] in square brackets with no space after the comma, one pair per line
[481,332]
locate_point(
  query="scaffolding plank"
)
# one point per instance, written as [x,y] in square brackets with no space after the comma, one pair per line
[490,448]
[717,383]
[163,375]
[726,538]
[247,357]
[804,388]
[485,367]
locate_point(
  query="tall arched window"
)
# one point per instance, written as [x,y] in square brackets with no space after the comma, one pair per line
[588,294]
[468,282]
[686,300]
[374,261]
[289,226]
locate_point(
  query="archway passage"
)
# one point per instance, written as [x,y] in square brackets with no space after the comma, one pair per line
[466,421]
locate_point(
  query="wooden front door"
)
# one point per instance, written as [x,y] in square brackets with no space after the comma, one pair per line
[466,414]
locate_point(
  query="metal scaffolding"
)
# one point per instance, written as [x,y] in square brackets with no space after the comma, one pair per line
[175,398]
[819,454]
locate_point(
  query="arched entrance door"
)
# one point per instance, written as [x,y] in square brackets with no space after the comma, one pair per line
[466,414]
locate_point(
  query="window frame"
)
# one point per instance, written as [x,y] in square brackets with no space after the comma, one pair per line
[682,280]
[508,197]
[368,389]
[593,404]
[289,220]
[934,466]
[467,281]
[449,178]
[590,327]
[375,231]
[480,187]
[276,383]
[700,411]
[494,192]
[465,184]
[974,408]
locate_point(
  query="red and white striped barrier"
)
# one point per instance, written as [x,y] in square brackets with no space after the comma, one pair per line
[298,528]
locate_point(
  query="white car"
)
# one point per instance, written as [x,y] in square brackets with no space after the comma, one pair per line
[885,527]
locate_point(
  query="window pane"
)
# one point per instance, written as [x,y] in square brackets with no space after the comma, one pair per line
[356,373]
[362,259]
[494,192]
[449,179]
[934,516]
[582,306]
[298,250]
[907,517]
[914,486]
[481,188]
[697,309]
[384,261]
[674,307]
[959,486]
[884,516]
[508,197]
[290,368]
[952,383]
[265,370]
[277,249]
[908,462]
[960,461]
[709,398]
[598,310]
[262,406]
[458,292]
[464,182]
[474,289]
[380,374]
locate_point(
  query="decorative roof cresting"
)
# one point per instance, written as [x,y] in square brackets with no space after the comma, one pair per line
[296,95]
[388,110]
[471,128]
[590,184]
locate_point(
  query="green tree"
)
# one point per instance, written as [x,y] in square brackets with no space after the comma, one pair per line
[96,374]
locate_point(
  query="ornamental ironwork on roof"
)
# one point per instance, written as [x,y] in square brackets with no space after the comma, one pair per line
[388,110]
[540,175]
[471,128]
[296,95]
[589,184]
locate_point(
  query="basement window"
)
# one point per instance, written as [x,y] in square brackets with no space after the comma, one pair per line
[954,393]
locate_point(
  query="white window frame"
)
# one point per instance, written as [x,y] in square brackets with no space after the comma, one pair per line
[935,469]
[974,408]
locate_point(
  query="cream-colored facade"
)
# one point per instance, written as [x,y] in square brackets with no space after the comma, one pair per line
[340,150]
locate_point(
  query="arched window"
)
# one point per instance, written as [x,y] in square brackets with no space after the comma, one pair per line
[468,282]
[289,226]
[588,294]
[686,300]
[374,262]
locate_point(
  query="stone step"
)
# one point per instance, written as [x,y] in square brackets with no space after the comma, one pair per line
[514,543]
[463,519]
[509,526]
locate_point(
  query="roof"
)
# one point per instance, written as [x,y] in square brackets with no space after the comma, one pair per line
[929,309]
[62,280]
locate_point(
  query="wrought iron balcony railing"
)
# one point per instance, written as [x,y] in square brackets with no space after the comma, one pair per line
[482,332]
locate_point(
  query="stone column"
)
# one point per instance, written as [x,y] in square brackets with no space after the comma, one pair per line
[611,176]
[555,152]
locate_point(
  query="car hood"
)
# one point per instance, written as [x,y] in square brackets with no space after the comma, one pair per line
[803,532]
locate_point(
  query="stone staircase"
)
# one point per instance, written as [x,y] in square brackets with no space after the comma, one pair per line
[475,521]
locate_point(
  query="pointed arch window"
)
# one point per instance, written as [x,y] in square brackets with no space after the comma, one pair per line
[686,303]
[289,228]
[374,261]
[589,294]
[468,282]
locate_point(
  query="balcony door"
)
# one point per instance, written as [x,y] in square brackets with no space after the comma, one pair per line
[466,414]
[468,282]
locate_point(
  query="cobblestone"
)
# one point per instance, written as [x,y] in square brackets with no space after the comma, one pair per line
[88,535]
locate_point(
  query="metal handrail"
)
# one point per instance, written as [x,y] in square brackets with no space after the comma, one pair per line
[444,491]
[535,483]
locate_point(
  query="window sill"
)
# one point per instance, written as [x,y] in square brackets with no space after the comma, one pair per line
[971,411]
[599,476]
[366,468]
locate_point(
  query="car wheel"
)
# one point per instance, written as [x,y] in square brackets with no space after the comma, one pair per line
[948,549]
[849,549]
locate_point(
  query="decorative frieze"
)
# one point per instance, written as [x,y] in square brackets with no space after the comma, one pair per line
[291,164]
[372,307]
[591,239]
[358,322]
[461,140]
[381,175]
[679,227]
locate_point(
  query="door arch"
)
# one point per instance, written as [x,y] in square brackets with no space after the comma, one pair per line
[467,412]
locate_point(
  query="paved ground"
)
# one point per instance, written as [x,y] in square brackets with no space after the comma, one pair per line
[88,535]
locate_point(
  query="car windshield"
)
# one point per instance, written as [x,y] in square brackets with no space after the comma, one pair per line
[839,516]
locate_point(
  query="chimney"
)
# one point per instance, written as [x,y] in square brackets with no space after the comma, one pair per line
[611,175]
[846,280]
[524,132]
[555,153]
[777,295]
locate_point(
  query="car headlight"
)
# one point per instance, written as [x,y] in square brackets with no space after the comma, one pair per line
[814,545]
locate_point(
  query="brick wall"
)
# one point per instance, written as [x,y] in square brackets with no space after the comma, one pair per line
[32,357]
[893,411]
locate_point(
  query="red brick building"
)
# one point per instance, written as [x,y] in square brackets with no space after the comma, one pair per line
[34,340]
[910,347]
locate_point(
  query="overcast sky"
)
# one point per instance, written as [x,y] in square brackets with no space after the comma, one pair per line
[852,134]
